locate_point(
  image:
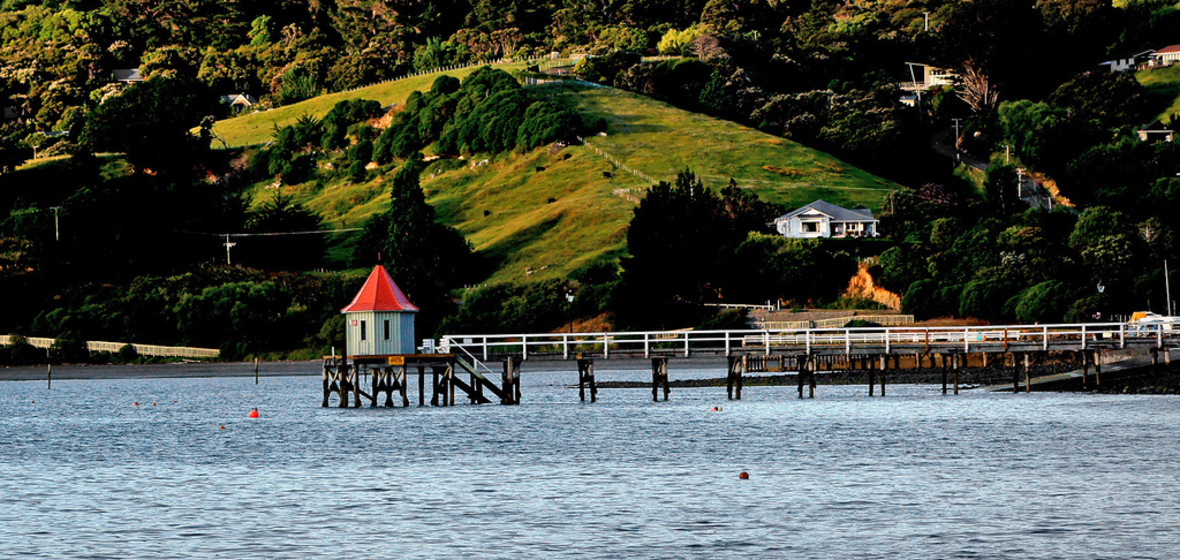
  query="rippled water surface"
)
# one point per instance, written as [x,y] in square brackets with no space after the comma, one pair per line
[84,473]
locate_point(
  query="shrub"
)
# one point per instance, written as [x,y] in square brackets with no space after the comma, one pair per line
[127,354]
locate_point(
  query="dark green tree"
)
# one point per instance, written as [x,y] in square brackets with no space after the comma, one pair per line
[426,258]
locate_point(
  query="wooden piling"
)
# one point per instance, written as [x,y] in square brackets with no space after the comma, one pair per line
[1097,368]
[1027,375]
[404,381]
[1085,367]
[659,377]
[958,364]
[421,386]
[733,377]
[586,379]
[944,373]
[1015,373]
[872,373]
[511,381]
[327,383]
[883,376]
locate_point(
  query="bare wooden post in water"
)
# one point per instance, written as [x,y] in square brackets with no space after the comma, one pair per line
[586,378]
[733,378]
[511,381]
[659,377]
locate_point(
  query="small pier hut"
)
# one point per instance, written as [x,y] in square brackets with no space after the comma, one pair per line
[380,319]
[380,354]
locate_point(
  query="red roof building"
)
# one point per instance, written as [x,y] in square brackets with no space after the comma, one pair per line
[1167,55]
[380,293]
[380,319]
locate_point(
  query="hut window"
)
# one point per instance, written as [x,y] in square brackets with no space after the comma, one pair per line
[387,329]
[362,330]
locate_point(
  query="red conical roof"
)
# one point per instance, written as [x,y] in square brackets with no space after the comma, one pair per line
[380,293]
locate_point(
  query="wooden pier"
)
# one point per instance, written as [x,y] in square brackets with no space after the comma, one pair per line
[367,377]
[879,352]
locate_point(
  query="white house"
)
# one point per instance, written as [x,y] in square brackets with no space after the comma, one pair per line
[238,101]
[824,219]
[1157,132]
[925,76]
[1129,63]
[380,319]
[1167,55]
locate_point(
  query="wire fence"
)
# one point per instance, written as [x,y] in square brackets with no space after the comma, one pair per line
[619,164]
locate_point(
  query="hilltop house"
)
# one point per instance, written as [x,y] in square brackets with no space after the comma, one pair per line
[824,219]
[238,102]
[1157,132]
[1167,55]
[1129,63]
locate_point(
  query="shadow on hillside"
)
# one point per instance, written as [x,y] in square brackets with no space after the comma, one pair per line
[634,124]
[495,255]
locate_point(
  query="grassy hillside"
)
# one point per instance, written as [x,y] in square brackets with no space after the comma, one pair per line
[255,128]
[537,224]
[1163,86]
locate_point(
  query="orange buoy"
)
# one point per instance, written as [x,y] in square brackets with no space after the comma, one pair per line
[153,404]
[223,426]
[744,475]
[716,409]
[253,413]
[136,404]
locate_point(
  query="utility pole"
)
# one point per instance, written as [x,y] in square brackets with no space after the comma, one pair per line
[926,16]
[56,225]
[957,158]
[1168,291]
[1020,183]
[228,245]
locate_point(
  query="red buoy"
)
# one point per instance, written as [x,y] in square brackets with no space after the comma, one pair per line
[744,475]
[254,413]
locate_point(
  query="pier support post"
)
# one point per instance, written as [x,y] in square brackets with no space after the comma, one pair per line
[511,381]
[377,386]
[586,378]
[342,384]
[404,382]
[1085,367]
[435,387]
[944,372]
[960,360]
[1097,368]
[873,373]
[421,386]
[1015,372]
[327,383]
[659,377]
[897,365]
[1027,374]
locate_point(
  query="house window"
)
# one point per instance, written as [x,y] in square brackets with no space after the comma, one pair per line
[387,329]
[362,330]
[810,227]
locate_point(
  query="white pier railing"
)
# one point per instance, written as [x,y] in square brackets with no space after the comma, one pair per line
[865,340]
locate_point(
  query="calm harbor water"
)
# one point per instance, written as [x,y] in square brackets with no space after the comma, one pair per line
[84,473]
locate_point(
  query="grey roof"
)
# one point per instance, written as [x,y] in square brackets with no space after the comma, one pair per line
[838,213]
[127,75]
